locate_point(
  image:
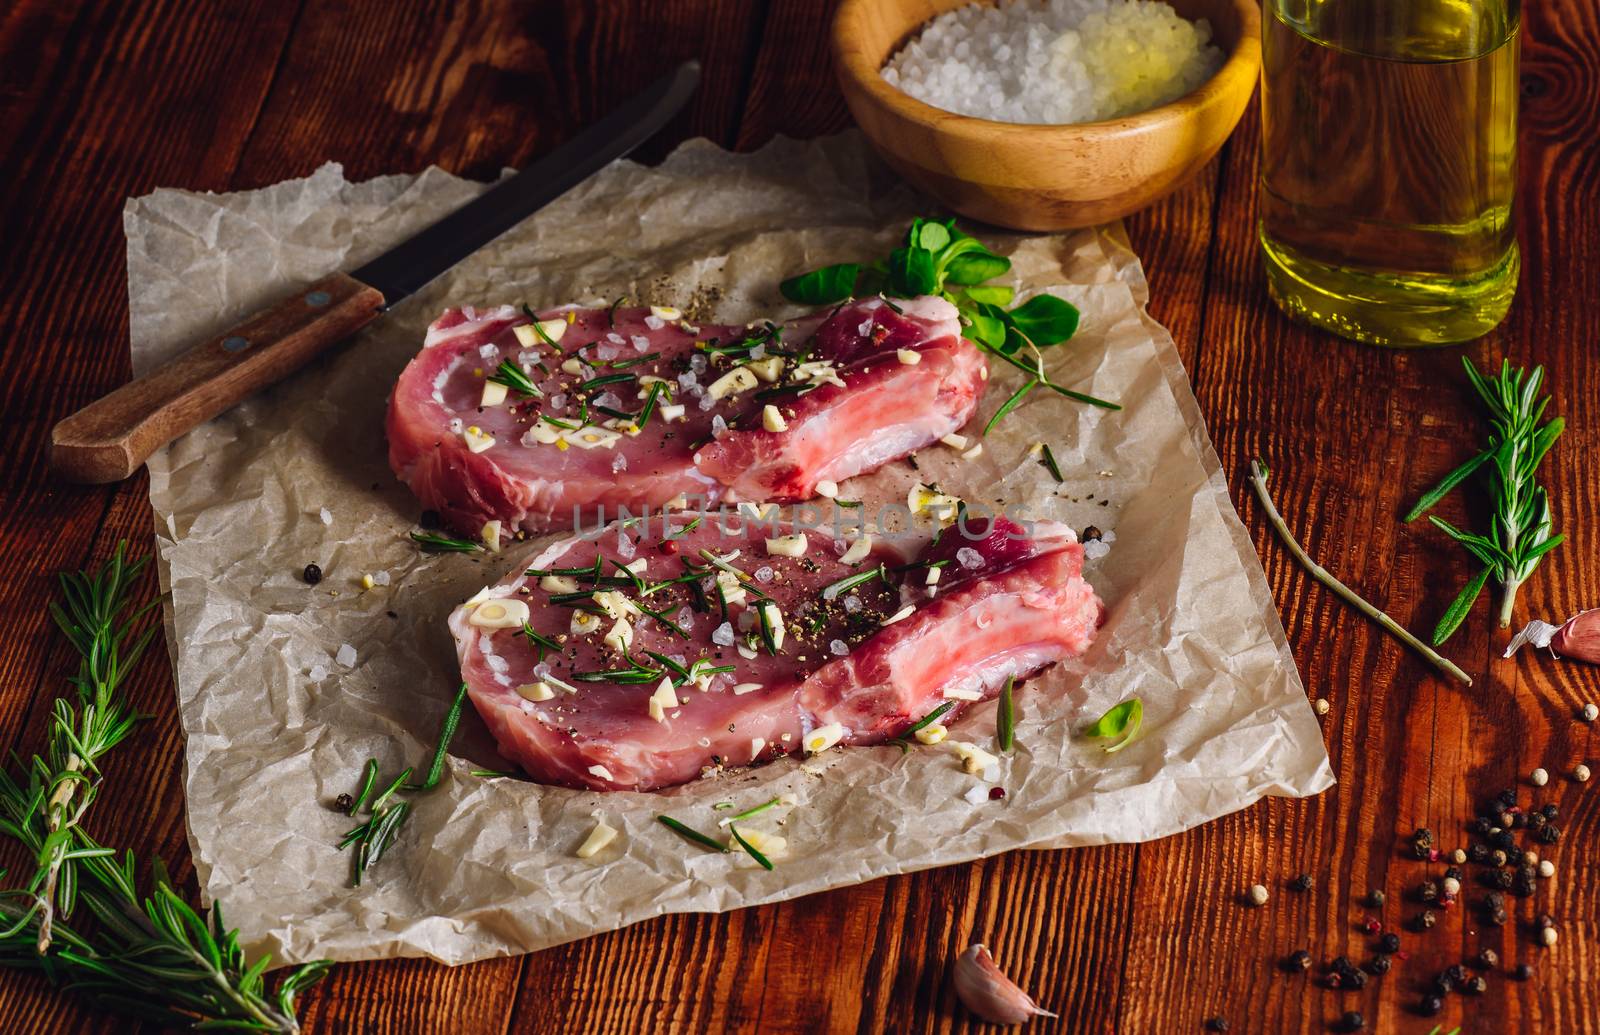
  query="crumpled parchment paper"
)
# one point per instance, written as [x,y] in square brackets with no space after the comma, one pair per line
[285,690]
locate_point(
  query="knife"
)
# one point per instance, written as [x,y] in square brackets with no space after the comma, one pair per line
[110,438]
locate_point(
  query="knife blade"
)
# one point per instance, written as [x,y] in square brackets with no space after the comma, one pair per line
[110,438]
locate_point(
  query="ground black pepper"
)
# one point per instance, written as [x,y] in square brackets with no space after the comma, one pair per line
[312,574]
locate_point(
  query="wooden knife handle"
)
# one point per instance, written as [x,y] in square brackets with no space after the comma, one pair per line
[110,438]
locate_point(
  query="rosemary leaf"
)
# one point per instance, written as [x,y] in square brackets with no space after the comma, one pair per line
[1006,717]
[766,863]
[689,833]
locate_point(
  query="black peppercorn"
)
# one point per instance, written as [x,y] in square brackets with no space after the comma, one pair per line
[1488,959]
[1523,971]
[1507,799]
[1356,979]
[429,520]
[1524,887]
[1506,841]
[1502,879]
[1494,900]
[1299,960]
[1341,965]
[1518,820]
[1443,985]
[1429,891]
[1376,897]
[1475,985]
[1389,944]
[1352,1021]
[1424,836]
[1379,965]
[1549,834]
[1536,820]
[1482,825]
[1304,882]
[1424,920]
[312,574]
[1478,854]
[1453,872]
[1335,981]
[1546,920]
[343,802]
[1456,973]
[1217,1024]
[1430,1005]
[1498,917]
[1550,811]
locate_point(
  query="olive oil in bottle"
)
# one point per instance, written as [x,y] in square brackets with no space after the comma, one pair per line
[1388,165]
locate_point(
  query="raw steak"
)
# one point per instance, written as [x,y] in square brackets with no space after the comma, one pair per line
[856,664]
[637,407]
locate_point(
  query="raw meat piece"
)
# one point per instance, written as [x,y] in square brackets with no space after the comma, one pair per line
[852,389]
[567,724]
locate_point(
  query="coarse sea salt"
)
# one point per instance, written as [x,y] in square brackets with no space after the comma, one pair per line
[346,655]
[1062,61]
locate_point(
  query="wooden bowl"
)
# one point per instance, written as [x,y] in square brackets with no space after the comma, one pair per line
[1041,177]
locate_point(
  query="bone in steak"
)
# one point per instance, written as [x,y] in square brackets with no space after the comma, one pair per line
[607,696]
[636,407]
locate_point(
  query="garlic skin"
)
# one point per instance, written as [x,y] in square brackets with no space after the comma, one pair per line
[987,992]
[1579,638]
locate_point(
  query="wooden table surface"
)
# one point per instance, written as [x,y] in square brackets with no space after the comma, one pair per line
[100,101]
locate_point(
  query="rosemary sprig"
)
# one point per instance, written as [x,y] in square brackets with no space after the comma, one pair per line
[770,803]
[1258,480]
[635,674]
[382,828]
[152,957]
[690,833]
[1521,527]
[1048,459]
[903,741]
[766,863]
[432,542]
[511,375]
[540,642]
[832,590]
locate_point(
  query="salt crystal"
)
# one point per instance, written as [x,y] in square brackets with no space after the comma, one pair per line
[346,655]
[487,351]
[625,545]
[606,353]
[616,339]
[542,669]
[685,618]
[619,463]
[558,401]
[688,379]
[967,557]
[640,342]
[865,328]
[977,794]
[839,647]
[697,362]
[654,322]
[380,578]
[318,673]
[719,427]
[1108,536]
[764,574]
[1095,549]
[608,398]
[758,350]
[327,518]
[747,620]
[706,402]
[722,636]
[852,603]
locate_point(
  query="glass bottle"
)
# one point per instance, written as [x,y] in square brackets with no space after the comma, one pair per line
[1388,165]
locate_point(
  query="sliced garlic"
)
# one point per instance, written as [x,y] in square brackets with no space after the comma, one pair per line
[955,441]
[932,578]
[823,737]
[787,546]
[733,591]
[602,772]
[923,499]
[584,623]
[367,582]
[974,759]
[772,420]
[858,550]
[494,393]
[476,438]
[558,584]
[768,368]
[602,835]
[500,613]
[671,412]
[909,357]
[490,534]
[539,691]
[665,697]
[740,689]
[593,438]
[955,693]
[620,638]
[665,312]
[572,366]
[827,489]
[774,616]
[541,433]
[615,603]
[973,453]
[756,744]
[900,615]
[737,380]
[931,734]
[527,337]
[771,845]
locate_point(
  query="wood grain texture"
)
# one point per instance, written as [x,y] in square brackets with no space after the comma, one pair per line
[110,100]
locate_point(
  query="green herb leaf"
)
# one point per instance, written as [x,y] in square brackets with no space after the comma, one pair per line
[977,267]
[1006,717]
[432,542]
[1046,319]
[991,294]
[511,375]
[1122,721]
[1048,459]
[689,833]
[904,739]
[748,847]
[1461,606]
[911,272]
[929,235]
[823,286]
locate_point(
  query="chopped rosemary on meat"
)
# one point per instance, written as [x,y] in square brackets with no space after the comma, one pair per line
[689,833]
[903,741]
[849,582]
[664,620]
[651,399]
[747,846]
[433,542]
[540,642]
[611,313]
[685,530]
[511,375]
[603,380]
[680,675]
[589,571]
[618,364]
[538,328]
[636,673]
[768,638]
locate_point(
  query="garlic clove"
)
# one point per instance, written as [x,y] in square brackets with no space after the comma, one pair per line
[1580,636]
[987,992]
